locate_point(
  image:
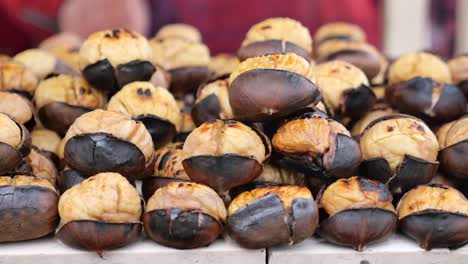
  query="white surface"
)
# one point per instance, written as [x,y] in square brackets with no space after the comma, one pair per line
[51,251]
[396,250]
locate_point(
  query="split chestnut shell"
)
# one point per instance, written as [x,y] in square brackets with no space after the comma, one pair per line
[453,141]
[15,143]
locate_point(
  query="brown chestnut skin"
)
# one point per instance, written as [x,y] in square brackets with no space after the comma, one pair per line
[27,212]
[98,236]
[186,80]
[427,99]
[265,94]
[260,48]
[10,157]
[453,157]
[69,178]
[162,130]
[59,116]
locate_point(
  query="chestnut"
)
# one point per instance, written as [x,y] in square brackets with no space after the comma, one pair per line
[28,209]
[271,86]
[186,61]
[459,69]
[19,107]
[435,216]
[272,215]
[223,64]
[179,30]
[184,215]
[15,77]
[420,85]
[15,143]
[360,211]
[399,150]
[224,154]
[110,59]
[167,168]
[63,98]
[377,111]
[344,87]
[453,142]
[102,212]
[212,102]
[360,54]
[47,141]
[187,124]
[155,107]
[65,46]
[340,31]
[106,141]
[160,77]
[314,144]
[38,164]
[42,63]
[276,35]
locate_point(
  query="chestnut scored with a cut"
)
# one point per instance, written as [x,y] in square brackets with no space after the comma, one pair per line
[19,107]
[28,209]
[15,143]
[212,102]
[400,151]
[453,141]
[360,212]
[106,141]
[103,212]
[16,77]
[434,215]
[271,86]
[377,111]
[224,154]
[47,141]
[184,215]
[272,215]
[39,164]
[122,57]
[316,145]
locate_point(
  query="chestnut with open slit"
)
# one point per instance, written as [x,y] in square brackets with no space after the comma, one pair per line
[271,86]
[62,98]
[435,216]
[272,215]
[224,154]
[453,141]
[19,107]
[28,209]
[377,111]
[360,212]
[47,141]
[101,213]
[212,102]
[317,146]
[123,57]
[184,215]
[155,107]
[39,164]
[167,168]
[400,151]
[106,141]
[15,143]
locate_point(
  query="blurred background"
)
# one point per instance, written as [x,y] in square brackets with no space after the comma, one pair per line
[394,26]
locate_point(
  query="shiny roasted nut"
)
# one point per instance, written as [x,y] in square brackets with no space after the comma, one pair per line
[15,143]
[212,102]
[453,141]
[40,62]
[46,140]
[169,162]
[173,53]
[339,30]
[17,106]
[182,31]
[434,215]
[378,111]
[223,63]
[419,64]
[16,77]
[184,215]
[272,215]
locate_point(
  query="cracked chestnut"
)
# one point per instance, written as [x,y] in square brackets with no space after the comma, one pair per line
[19,107]
[15,143]
[453,141]
[212,102]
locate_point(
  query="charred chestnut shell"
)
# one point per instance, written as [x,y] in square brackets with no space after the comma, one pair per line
[427,99]
[69,178]
[59,116]
[19,106]
[10,156]
[162,131]
[186,80]
[269,47]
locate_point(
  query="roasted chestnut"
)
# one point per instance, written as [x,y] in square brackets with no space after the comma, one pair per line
[19,107]
[103,212]
[340,31]
[212,102]
[276,35]
[420,85]
[68,178]
[184,215]
[42,63]
[453,142]
[160,77]
[187,125]
[272,215]
[15,77]
[434,215]
[360,54]
[28,209]
[38,164]
[360,211]
[399,150]
[183,31]
[155,107]
[316,145]
[186,61]
[224,154]
[459,69]
[223,64]
[106,141]
[110,59]
[167,168]
[15,143]
[47,141]
[61,99]
[378,110]
[271,86]
[344,87]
